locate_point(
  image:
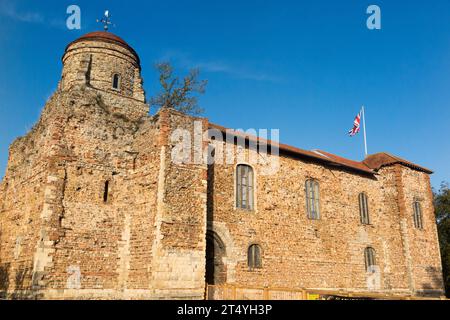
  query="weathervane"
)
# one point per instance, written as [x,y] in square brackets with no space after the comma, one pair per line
[106,20]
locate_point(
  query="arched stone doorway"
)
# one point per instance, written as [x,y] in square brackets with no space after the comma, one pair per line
[216,269]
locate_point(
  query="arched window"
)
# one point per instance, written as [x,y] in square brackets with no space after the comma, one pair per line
[418,221]
[312,199]
[364,208]
[254,257]
[244,187]
[116,81]
[369,257]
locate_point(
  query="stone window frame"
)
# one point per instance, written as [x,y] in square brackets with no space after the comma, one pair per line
[119,81]
[253,264]
[370,258]
[317,202]
[364,213]
[418,214]
[236,204]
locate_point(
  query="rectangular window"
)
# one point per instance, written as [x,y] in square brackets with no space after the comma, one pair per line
[116,82]
[244,187]
[106,192]
[313,199]
[418,222]
[364,208]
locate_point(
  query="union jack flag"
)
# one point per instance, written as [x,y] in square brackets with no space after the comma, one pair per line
[356,125]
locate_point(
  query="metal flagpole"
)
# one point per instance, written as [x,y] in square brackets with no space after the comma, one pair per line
[364,127]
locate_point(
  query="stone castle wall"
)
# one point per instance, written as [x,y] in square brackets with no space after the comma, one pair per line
[93,205]
[328,253]
[180,245]
[96,66]
[21,205]
[61,239]
[424,250]
[64,239]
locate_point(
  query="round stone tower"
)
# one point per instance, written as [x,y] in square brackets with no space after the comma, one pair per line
[103,61]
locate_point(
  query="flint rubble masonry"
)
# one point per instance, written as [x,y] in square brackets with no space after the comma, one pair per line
[149,239]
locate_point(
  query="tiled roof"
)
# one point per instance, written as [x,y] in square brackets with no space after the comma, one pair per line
[351,163]
[312,155]
[369,166]
[379,160]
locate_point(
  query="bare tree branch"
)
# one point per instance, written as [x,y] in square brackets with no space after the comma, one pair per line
[177,94]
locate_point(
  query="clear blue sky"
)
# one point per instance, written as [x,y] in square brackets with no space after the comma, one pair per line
[304,67]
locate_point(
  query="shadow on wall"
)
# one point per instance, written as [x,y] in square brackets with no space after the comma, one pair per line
[432,289]
[210,190]
[4,280]
[22,283]
[21,290]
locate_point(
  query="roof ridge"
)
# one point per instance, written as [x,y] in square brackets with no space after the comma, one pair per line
[350,164]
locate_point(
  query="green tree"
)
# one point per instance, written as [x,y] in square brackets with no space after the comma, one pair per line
[442,206]
[181,95]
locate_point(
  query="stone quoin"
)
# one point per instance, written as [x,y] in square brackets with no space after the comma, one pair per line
[92,207]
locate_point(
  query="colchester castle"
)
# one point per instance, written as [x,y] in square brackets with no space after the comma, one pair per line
[92,205]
